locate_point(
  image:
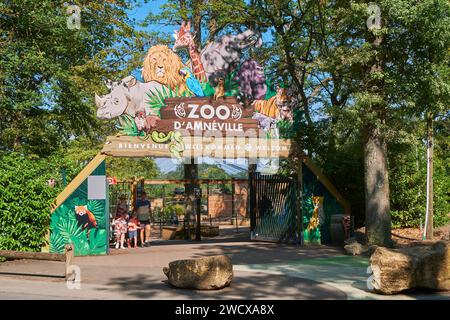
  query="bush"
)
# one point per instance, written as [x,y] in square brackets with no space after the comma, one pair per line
[407,182]
[26,198]
[173,209]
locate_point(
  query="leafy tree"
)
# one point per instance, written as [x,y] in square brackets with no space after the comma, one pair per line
[49,73]
[126,168]
[407,159]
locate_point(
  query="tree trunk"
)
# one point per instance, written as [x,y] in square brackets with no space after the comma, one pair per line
[183,9]
[190,172]
[197,23]
[429,206]
[376,180]
[378,218]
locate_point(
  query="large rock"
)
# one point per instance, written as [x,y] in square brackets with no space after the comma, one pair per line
[424,266]
[209,273]
[442,233]
[355,249]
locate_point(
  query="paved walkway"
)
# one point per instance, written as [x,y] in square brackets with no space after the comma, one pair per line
[262,271]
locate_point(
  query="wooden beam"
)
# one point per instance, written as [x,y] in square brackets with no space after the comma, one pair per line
[207,146]
[327,184]
[33,255]
[192,181]
[233,213]
[251,209]
[67,257]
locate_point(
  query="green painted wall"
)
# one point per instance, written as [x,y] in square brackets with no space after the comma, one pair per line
[65,228]
[313,187]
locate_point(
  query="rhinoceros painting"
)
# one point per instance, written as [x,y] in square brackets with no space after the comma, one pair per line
[127,96]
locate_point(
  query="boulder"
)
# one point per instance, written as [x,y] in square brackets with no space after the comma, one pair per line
[209,273]
[371,249]
[425,266]
[355,248]
[442,233]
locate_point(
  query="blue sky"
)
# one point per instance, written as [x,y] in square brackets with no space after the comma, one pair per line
[153,6]
[143,9]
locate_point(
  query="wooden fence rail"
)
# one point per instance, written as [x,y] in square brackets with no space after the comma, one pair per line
[66,257]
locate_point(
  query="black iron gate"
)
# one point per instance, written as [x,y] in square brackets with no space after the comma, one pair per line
[274,214]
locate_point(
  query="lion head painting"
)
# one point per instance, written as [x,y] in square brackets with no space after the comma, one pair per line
[163,65]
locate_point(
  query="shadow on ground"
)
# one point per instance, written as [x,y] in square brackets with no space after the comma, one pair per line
[245,285]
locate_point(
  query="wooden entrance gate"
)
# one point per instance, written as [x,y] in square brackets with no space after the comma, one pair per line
[273,208]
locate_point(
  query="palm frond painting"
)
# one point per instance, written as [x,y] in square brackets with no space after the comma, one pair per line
[156,98]
[231,84]
[82,223]
[127,126]
[208,90]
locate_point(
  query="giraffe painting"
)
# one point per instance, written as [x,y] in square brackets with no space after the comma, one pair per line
[185,40]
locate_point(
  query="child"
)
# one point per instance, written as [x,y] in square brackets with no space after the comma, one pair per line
[132,230]
[120,222]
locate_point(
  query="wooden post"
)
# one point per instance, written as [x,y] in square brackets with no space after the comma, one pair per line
[198,231]
[163,197]
[429,206]
[233,190]
[251,197]
[133,195]
[69,262]
[207,198]
[191,173]
[299,215]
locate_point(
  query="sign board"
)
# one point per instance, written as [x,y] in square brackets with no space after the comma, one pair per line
[96,187]
[198,147]
[198,115]
[193,111]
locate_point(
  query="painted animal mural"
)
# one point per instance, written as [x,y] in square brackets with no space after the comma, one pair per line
[162,64]
[219,90]
[184,40]
[127,96]
[268,112]
[221,57]
[86,219]
[318,216]
[192,84]
[137,104]
[163,71]
[252,80]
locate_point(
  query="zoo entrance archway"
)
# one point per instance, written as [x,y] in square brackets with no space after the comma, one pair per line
[220,105]
[284,219]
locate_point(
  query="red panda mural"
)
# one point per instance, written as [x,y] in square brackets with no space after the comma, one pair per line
[85,219]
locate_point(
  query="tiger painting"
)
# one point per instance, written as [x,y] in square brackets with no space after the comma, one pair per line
[267,112]
[318,215]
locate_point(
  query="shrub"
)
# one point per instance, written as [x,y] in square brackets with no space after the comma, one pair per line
[25,198]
